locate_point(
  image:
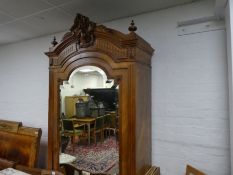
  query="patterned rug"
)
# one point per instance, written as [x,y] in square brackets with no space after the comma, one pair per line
[96,159]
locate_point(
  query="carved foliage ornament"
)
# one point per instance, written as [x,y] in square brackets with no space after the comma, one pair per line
[83,29]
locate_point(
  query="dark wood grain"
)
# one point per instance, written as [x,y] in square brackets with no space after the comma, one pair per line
[20,145]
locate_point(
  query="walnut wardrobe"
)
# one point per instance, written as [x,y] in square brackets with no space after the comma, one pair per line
[126,58]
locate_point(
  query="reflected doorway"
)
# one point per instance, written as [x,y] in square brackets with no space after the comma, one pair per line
[89,121]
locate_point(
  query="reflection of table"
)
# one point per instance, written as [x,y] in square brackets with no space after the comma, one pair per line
[76,125]
[88,121]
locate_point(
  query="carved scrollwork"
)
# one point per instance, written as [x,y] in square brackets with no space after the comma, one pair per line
[83,29]
[111,48]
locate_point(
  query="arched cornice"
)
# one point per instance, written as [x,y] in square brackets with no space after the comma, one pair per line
[86,36]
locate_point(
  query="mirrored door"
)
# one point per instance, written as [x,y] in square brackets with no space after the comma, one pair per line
[89,122]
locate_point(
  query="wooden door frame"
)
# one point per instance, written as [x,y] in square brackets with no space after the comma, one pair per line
[122,73]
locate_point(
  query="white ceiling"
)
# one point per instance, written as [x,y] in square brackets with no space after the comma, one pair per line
[25,19]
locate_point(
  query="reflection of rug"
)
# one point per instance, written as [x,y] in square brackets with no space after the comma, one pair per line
[96,159]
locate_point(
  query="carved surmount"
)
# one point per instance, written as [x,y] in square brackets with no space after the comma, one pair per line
[83,29]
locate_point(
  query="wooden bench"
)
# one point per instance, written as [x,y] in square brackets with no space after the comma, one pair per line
[19,143]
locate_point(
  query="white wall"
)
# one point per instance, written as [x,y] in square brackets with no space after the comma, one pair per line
[24,85]
[189,89]
[229,30]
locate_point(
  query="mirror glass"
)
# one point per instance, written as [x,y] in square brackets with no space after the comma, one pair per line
[89,122]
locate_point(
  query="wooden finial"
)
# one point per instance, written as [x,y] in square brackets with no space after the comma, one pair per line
[54,42]
[132,27]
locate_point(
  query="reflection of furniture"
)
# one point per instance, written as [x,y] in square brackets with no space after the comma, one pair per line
[64,142]
[109,96]
[19,143]
[126,58]
[70,102]
[98,127]
[71,129]
[193,171]
[110,123]
[97,111]
[87,121]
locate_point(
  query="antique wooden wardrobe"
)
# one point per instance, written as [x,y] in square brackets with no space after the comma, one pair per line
[126,58]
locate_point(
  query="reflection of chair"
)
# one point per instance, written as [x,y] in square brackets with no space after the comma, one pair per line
[62,117]
[71,129]
[64,142]
[97,127]
[193,171]
[110,123]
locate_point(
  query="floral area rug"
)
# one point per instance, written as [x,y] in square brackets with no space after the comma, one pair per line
[96,158]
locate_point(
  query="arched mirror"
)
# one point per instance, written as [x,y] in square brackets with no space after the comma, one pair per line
[89,123]
[107,75]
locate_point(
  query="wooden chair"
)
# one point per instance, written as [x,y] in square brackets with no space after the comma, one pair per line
[70,129]
[107,122]
[98,127]
[193,171]
[110,123]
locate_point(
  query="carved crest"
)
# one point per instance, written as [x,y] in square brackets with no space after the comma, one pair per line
[83,29]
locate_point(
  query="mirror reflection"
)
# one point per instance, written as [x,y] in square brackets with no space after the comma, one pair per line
[89,122]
